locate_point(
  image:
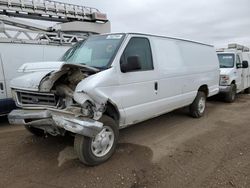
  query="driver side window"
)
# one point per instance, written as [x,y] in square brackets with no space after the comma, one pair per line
[140,47]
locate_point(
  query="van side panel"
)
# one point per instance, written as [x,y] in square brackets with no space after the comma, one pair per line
[171,71]
[183,67]
[180,69]
[6,104]
[202,67]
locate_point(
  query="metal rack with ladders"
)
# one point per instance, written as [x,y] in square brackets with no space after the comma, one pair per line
[39,31]
[73,22]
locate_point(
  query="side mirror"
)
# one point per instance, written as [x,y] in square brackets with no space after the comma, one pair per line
[133,63]
[245,64]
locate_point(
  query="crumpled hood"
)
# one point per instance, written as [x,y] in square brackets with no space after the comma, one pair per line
[40,66]
[36,72]
[29,81]
[225,71]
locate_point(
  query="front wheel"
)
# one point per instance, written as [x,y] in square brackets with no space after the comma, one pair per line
[94,151]
[231,95]
[197,108]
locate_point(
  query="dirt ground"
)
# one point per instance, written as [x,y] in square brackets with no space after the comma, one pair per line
[173,150]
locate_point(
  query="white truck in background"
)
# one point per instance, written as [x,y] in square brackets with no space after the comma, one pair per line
[22,41]
[234,70]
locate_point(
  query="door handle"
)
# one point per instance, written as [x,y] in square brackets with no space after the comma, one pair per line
[156,86]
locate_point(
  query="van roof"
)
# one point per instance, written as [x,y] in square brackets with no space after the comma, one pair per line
[174,38]
[230,51]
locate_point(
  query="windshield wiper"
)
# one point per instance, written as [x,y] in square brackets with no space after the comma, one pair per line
[90,66]
[223,66]
[96,69]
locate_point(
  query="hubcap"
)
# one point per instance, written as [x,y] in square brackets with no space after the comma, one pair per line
[103,142]
[202,105]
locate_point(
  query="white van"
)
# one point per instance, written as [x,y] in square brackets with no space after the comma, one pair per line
[234,71]
[112,81]
[12,56]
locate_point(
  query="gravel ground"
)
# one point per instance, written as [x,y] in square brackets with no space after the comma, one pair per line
[172,150]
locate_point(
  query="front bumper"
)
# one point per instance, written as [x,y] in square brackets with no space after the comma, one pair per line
[69,122]
[224,89]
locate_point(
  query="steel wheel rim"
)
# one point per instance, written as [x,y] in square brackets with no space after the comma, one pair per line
[202,105]
[102,143]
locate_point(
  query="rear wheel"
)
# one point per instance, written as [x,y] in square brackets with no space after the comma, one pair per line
[231,95]
[247,90]
[197,108]
[94,151]
[35,131]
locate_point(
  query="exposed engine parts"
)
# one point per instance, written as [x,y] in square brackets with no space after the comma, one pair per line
[63,84]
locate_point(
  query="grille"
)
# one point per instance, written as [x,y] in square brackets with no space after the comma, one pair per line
[44,99]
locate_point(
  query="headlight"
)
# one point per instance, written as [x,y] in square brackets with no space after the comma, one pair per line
[224,80]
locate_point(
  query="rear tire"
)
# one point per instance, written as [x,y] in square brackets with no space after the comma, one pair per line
[197,108]
[247,90]
[231,95]
[35,131]
[94,151]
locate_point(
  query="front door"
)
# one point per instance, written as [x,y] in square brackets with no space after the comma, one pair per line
[139,87]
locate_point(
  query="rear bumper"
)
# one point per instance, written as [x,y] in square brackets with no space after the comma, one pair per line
[224,89]
[79,125]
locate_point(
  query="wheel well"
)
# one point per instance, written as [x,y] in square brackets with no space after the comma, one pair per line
[204,88]
[112,111]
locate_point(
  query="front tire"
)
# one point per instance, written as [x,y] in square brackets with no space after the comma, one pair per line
[231,95]
[35,131]
[197,108]
[94,151]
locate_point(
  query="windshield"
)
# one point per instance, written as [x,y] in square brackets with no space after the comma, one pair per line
[96,51]
[226,60]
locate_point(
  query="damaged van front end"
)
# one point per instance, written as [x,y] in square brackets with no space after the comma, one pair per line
[56,122]
[54,104]
[74,95]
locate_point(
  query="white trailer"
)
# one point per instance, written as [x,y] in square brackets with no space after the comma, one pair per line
[234,71]
[22,41]
[12,56]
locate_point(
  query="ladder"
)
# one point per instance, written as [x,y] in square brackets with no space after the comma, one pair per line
[74,22]
[50,10]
